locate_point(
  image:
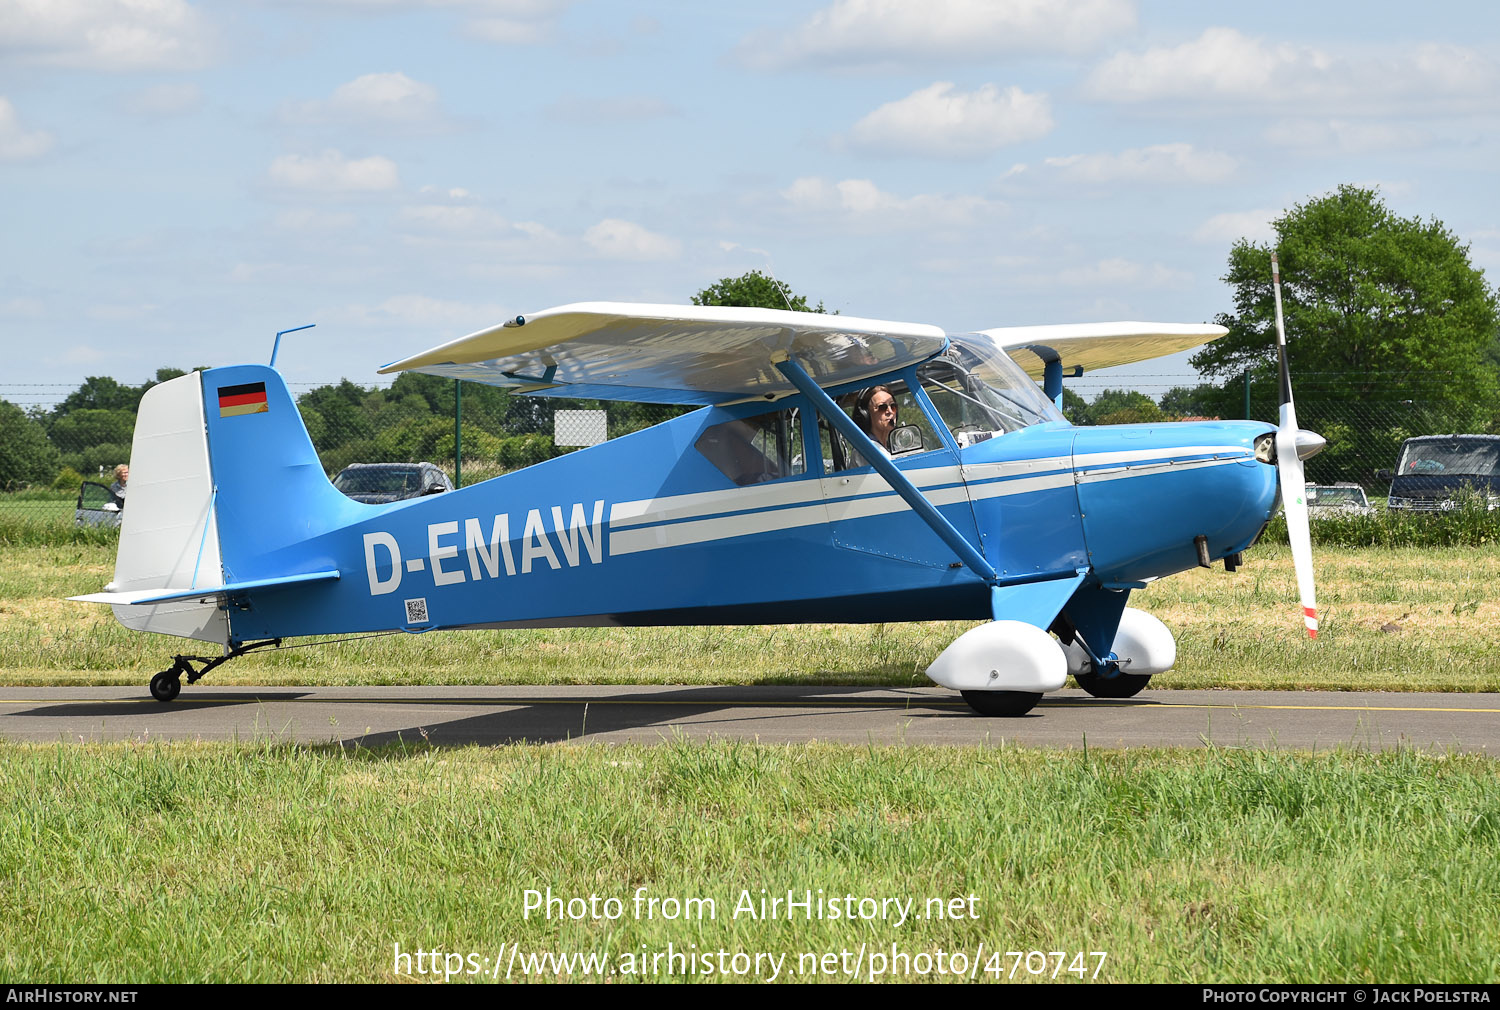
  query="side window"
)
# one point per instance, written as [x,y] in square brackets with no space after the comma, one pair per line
[753,450]
[839,454]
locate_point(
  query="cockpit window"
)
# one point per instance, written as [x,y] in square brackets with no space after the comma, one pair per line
[981,392]
[753,450]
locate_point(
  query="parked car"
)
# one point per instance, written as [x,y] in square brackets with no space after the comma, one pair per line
[379,483]
[1435,469]
[96,506]
[1342,499]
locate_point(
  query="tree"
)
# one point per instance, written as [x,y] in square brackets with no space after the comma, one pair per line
[26,457]
[1388,327]
[1118,406]
[1195,401]
[754,290]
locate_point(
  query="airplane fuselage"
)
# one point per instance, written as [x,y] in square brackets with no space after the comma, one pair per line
[646,529]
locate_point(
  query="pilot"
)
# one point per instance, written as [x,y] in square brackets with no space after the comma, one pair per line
[117,489]
[875,412]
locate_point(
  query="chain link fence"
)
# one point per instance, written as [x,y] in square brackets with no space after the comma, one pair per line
[54,439]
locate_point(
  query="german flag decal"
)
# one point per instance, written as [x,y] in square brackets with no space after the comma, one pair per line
[247,399]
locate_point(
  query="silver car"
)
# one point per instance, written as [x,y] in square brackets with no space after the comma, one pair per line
[96,506]
[1343,499]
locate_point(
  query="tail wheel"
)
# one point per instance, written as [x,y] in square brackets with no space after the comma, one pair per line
[1002,703]
[1121,685]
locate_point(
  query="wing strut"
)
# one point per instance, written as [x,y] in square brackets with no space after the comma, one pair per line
[887,468]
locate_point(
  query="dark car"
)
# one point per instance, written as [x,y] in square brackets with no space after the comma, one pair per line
[1436,471]
[379,483]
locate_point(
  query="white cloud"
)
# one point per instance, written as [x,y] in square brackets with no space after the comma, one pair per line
[937,120]
[509,32]
[459,220]
[507,22]
[613,238]
[106,34]
[1159,163]
[1112,273]
[383,98]
[1345,137]
[1231,226]
[861,202]
[314,222]
[855,32]
[514,22]
[1224,65]
[164,100]
[603,111]
[331,172]
[23,308]
[83,354]
[420,310]
[118,313]
[16,142]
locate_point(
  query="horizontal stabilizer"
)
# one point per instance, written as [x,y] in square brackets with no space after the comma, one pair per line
[1093,346]
[143,596]
[701,354]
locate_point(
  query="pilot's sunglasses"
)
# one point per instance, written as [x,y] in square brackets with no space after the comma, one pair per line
[885,406]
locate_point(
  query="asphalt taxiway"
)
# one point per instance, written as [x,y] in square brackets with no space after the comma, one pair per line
[452,716]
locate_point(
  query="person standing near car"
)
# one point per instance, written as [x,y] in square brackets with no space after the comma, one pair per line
[117,489]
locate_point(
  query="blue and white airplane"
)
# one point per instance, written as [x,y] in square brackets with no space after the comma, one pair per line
[770,505]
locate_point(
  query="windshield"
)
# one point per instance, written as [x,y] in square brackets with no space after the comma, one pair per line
[1477,457]
[381,480]
[978,388]
[1336,496]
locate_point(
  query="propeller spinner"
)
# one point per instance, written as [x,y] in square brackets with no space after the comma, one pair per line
[1293,445]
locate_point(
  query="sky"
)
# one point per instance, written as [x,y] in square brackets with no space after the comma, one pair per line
[180,180]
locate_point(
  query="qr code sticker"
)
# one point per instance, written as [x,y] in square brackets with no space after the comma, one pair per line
[416,610]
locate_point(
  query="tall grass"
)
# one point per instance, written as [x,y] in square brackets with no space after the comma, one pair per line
[1392,619]
[21,529]
[1471,524]
[275,863]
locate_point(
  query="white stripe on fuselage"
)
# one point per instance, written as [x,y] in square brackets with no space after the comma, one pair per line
[680,520]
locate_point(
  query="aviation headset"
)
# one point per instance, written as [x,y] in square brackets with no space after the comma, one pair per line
[861,414]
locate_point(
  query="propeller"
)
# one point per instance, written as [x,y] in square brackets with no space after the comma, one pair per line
[1293,445]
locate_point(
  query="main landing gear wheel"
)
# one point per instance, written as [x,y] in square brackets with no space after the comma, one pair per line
[1002,703]
[166,685]
[1121,685]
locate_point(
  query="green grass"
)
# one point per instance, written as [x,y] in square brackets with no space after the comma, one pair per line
[1392,619]
[276,863]
[1473,524]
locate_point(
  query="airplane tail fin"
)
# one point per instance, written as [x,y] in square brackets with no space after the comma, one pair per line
[223,479]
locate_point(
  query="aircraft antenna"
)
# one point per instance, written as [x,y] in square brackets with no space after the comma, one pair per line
[277,346]
[781,288]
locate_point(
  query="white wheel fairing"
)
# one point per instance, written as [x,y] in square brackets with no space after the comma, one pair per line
[1001,656]
[1142,643]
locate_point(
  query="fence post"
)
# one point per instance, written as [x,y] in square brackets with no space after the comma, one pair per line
[1247,394]
[458,433]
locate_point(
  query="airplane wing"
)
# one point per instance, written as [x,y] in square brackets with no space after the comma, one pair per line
[1099,345]
[673,353]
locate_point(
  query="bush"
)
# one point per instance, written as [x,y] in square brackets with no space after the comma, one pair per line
[67,479]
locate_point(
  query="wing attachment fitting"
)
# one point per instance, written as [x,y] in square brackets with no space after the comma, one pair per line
[1093,346]
[700,354]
